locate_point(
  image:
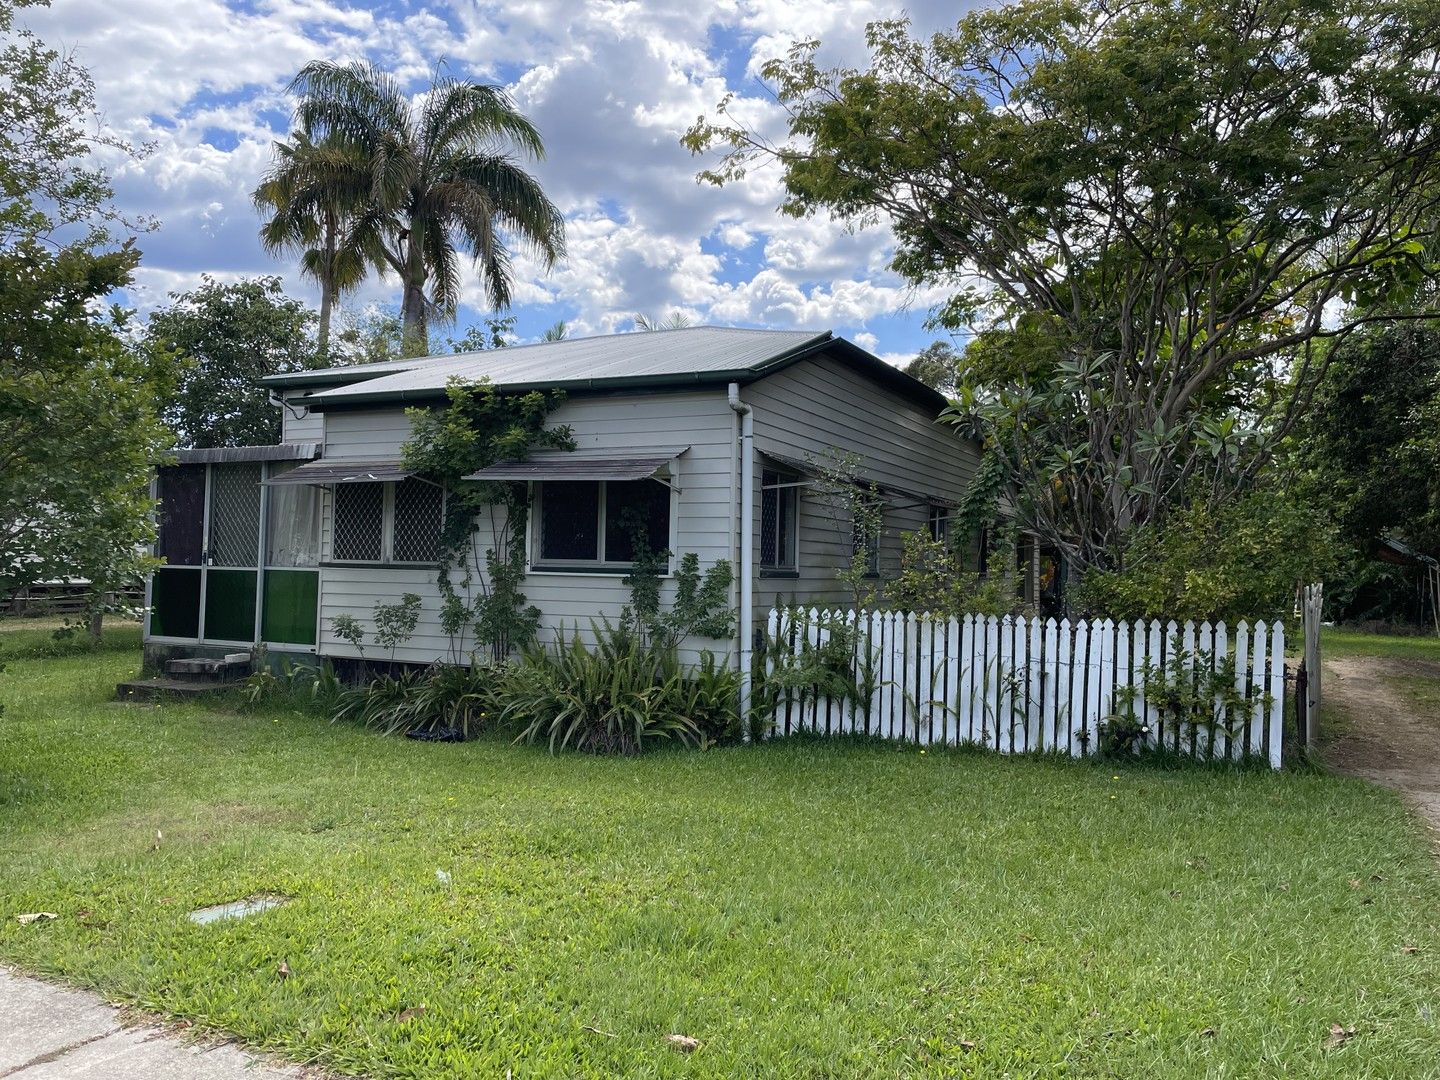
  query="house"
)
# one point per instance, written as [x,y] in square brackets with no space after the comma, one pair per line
[270,544]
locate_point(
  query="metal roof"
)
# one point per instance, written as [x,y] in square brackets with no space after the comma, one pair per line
[692,355]
[214,455]
[693,350]
[611,463]
[661,359]
[343,472]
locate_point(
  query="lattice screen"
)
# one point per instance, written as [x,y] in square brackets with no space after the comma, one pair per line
[359,521]
[234,515]
[418,509]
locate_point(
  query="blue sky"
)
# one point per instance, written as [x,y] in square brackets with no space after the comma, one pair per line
[611,85]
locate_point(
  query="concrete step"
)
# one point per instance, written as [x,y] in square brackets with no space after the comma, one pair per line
[162,689]
[231,665]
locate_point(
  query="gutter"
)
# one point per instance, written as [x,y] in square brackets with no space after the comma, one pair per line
[746,577]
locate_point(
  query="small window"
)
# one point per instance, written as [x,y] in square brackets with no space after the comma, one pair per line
[359,522]
[939,523]
[602,522]
[870,545]
[419,513]
[779,498]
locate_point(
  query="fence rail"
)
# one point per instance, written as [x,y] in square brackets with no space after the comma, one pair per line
[1025,684]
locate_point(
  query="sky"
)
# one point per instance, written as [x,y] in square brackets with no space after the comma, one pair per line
[611,85]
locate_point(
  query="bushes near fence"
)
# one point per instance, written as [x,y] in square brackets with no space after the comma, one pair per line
[1019,685]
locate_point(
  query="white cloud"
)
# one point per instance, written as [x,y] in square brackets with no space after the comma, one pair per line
[611,84]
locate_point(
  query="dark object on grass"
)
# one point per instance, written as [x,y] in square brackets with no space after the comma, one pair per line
[441,734]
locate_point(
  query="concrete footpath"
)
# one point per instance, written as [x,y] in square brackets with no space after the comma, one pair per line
[47,1032]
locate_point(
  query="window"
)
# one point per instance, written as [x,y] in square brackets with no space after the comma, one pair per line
[394,522]
[779,498]
[939,522]
[359,522]
[293,531]
[870,544]
[419,510]
[600,522]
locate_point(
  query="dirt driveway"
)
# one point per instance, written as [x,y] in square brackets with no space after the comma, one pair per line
[1393,730]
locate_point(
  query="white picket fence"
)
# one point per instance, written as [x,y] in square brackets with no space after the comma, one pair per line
[1017,685]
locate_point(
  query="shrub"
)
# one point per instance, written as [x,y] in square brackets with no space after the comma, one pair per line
[444,699]
[1240,562]
[303,686]
[932,579]
[618,696]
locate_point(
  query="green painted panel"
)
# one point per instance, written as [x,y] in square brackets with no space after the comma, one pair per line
[175,602]
[291,597]
[230,605]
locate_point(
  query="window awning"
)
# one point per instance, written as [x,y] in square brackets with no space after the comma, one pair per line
[343,472]
[902,498]
[226,455]
[607,463]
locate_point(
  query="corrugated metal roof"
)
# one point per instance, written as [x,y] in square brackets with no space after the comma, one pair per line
[343,472]
[696,354]
[611,463]
[215,455]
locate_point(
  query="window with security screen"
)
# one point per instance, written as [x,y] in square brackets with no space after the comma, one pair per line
[359,532]
[779,500]
[419,514]
[601,523]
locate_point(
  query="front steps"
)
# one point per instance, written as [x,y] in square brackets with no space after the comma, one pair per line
[189,676]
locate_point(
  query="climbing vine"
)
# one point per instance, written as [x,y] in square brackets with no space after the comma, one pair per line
[481,592]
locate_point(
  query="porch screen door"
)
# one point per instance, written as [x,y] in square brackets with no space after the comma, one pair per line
[176,587]
[233,553]
[292,555]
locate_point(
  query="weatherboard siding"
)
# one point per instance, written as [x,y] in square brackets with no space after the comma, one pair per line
[819,404]
[700,420]
[308,427]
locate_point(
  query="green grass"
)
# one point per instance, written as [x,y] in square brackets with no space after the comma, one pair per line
[810,910]
[31,638]
[1344,641]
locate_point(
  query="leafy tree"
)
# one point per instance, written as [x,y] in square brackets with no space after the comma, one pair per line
[1242,560]
[1372,444]
[232,335]
[372,336]
[79,425]
[937,366]
[1369,455]
[312,211]
[441,178]
[1171,204]
[494,333]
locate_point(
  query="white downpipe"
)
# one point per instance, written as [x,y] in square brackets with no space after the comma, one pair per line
[746,576]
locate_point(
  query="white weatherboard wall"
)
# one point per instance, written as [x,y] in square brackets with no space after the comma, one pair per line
[819,404]
[299,423]
[1017,685]
[700,420]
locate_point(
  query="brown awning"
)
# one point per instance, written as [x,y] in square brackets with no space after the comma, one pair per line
[343,472]
[610,463]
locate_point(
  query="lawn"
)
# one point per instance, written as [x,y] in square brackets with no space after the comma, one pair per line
[1346,641]
[840,910]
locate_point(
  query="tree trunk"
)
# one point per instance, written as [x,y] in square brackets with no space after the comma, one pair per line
[327,288]
[417,338]
[96,618]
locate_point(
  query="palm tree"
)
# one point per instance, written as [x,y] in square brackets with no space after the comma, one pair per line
[439,179]
[676,320]
[312,194]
